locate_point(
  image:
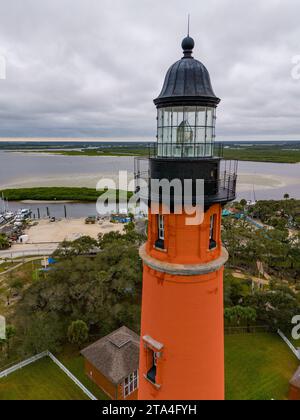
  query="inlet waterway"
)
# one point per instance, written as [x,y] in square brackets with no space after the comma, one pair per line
[257,180]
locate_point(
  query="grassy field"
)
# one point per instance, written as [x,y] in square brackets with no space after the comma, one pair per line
[53,194]
[42,380]
[116,151]
[22,276]
[263,154]
[258,367]
[75,364]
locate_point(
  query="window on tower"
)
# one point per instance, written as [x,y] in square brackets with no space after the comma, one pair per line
[160,243]
[151,374]
[153,353]
[212,232]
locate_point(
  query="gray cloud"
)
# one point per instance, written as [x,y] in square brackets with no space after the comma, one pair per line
[91,68]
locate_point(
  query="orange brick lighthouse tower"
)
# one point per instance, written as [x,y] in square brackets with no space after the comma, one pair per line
[182,329]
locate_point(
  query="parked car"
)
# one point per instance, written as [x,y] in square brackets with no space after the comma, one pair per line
[91,220]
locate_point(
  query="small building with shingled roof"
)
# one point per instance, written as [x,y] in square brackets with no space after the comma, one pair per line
[112,364]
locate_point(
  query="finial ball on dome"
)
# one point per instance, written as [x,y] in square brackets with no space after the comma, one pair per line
[188,44]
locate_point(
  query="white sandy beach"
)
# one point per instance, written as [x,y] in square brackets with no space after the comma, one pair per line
[47,232]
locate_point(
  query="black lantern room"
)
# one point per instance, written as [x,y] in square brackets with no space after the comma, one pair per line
[186,120]
[186,109]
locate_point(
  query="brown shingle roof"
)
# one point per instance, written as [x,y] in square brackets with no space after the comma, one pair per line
[116,356]
[295,381]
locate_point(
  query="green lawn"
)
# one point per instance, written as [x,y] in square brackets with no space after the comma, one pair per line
[258,367]
[75,364]
[42,380]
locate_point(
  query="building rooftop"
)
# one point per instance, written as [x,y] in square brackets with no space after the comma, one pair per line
[116,356]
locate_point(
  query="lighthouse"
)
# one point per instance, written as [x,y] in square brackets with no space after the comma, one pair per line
[182,328]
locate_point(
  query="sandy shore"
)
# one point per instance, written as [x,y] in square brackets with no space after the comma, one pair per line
[72,180]
[264,182]
[47,232]
[245,182]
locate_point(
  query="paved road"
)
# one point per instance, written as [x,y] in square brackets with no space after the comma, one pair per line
[28,251]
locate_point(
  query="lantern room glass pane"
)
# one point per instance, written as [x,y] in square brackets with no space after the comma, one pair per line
[210,117]
[160,118]
[167,134]
[200,134]
[186,131]
[201,117]
[209,135]
[190,116]
[167,117]
[178,116]
[160,135]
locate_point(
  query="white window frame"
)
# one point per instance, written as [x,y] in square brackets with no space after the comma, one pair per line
[131,384]
[161,227]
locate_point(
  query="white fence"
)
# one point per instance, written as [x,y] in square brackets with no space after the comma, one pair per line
[71,376]
[33,359]
[23,364]
[295,351]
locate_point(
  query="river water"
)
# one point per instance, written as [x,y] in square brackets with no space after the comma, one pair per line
[257,180]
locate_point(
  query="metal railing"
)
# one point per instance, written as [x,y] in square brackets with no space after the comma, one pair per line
[224,186]
[186,150]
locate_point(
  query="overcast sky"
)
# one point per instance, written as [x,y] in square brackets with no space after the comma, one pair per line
[91,68]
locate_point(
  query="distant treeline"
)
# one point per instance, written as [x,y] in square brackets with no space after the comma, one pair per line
[277,152]
[53,194]
[274,153]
